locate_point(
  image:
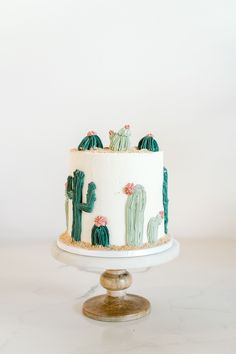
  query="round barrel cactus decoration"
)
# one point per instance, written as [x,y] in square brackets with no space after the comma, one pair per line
[148,143]
[100,232]
[91,141]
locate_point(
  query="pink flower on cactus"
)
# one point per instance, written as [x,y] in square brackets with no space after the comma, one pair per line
[100,221]
[150,134]
[162,214]
[127,126]
[129,188]
[91,132]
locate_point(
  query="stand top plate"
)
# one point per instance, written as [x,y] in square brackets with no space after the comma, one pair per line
[101,263]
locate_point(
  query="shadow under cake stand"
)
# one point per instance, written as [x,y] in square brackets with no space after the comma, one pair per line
[116,305]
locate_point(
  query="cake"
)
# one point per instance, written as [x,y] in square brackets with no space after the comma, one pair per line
[116,197]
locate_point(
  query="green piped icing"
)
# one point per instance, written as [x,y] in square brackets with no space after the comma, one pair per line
[74,191]
[148,143]
[165,198]
[152,228]
[68,196]
[69,187]
[120,141]
[135,206]
[67,211]
[90,198]
[100,236]
[90,142]
[78,183]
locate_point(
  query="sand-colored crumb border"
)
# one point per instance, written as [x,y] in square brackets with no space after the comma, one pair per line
[67,240]
[107,150]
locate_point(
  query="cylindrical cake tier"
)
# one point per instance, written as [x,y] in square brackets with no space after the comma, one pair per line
[111,172]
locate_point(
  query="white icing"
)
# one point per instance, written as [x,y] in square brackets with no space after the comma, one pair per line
[111,171]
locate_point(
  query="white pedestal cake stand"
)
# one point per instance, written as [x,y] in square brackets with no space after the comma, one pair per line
[116,304]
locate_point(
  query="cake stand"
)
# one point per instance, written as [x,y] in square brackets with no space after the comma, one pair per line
[116,305]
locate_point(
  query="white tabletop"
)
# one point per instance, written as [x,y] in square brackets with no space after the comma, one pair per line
[193,304]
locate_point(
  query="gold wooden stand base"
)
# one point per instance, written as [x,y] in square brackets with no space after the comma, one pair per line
[116,305]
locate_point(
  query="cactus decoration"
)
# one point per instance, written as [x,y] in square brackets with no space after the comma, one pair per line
[165,198]
[68,196]
[67,208]
[91,141]
[120,141]
[152,228]
[134,213]
[100,232]
[74,192]
[148,143]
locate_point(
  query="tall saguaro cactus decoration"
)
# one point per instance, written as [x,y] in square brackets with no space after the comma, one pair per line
[134,213]
[152,228]
[68,196]
[120,141]
[165,198]
[74,191]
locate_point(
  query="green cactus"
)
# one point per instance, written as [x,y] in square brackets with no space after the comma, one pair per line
[90,199]
[120,141]
[69,187]
[67,211]
[68,196]
[148,143]
[152,228]
[135,206]
[100,235]
[74,191]
[91,141]
[165,198]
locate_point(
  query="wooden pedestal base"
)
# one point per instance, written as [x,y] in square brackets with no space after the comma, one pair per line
[116,305]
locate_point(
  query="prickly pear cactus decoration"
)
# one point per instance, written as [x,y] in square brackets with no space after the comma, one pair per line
[165,198]
[152,228]
[148,143]
[120,141]
[74,191]
[91,141]
[134,214]
[100,232]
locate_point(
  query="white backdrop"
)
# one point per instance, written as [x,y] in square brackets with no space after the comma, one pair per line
[69,66]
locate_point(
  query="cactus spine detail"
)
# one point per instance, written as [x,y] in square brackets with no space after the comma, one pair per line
[165,198]
[74,191]
[152,228]
[135,207]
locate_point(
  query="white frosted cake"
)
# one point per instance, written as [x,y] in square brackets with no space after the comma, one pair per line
[116,198]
